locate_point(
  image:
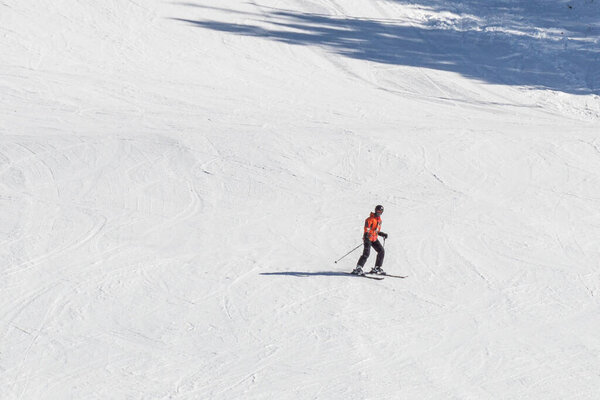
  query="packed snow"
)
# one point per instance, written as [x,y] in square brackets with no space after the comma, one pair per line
[178,178]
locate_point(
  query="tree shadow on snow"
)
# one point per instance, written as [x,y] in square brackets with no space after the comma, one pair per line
[306,274]
[519,43]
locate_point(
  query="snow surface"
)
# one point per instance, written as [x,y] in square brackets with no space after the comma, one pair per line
[177,178]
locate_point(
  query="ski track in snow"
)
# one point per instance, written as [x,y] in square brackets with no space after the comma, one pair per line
[177,178]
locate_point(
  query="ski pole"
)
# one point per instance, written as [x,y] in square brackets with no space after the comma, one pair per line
[348,253]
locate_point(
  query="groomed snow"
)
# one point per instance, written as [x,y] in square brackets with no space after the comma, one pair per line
[177,178]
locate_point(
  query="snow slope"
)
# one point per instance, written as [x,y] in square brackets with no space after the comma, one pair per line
[176,180]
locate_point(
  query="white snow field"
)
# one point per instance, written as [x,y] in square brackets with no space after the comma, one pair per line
[177,179]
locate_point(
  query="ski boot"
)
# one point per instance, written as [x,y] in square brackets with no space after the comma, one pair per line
[358,271]
[377,270]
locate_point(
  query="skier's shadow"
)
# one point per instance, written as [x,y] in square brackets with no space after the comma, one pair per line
[306,274]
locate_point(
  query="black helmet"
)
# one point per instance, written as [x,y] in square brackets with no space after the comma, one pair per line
[379,209]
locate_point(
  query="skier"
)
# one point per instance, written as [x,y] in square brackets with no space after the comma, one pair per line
[372,230]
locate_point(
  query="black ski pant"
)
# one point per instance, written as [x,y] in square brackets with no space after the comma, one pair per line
[367,250]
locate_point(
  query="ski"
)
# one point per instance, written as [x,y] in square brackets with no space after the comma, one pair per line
[391,276]
[377,278]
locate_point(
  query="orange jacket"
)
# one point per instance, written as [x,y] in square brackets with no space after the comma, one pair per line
[372,227]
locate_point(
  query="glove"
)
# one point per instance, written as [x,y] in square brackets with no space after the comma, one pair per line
[383,235]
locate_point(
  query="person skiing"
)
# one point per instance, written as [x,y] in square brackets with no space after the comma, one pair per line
[372,230]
